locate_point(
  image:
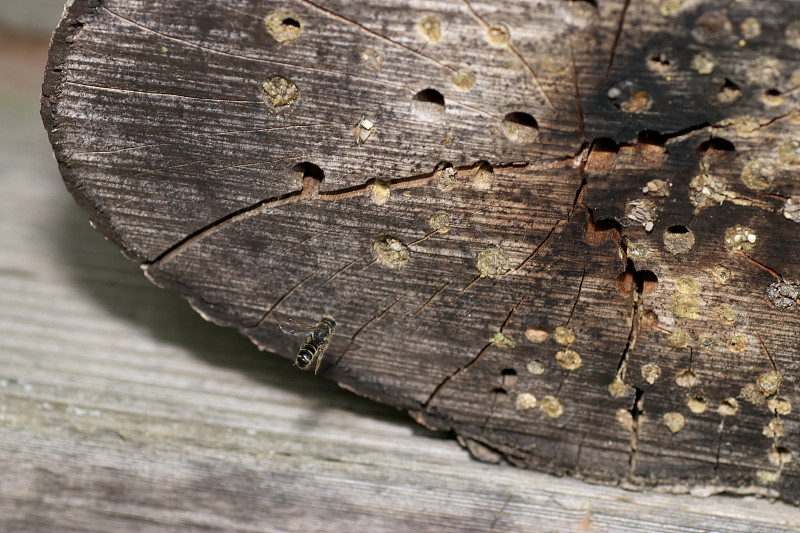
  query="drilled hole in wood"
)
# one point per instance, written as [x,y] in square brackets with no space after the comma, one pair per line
[598,232]
[772,97]
[678,239]
[715,150]
[625,280]
[310,175]
[678,229]
[290,22]
[428,103]
[659,60]
[643,281]
[602,156]
[520,128]
[717,144]
[508,377]
[646,281]
[651,146]
[651,137]
[723,92]
[484,176]
[284,25]
[500,390]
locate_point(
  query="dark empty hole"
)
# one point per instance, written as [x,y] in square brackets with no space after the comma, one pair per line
[677,229]
[660,58]
[499,390]
[523,119]
[508,377]
[291,22]
[625,280]
[772,92]
[429,102]
[309,170]
[430,95]
[604,144]
[729,84]
[646,281]
[606,224]
[643,282]
[597,232]
[717,144]
[651,137]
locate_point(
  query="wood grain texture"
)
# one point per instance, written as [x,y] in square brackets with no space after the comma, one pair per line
[121,410]
[623,172]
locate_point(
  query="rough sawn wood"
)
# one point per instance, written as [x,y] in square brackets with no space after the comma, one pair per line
[566,230]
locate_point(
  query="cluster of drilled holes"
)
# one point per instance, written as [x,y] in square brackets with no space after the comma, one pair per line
[428,103]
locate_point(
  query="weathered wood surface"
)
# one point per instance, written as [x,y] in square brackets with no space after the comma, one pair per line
[622,171]
[121,410]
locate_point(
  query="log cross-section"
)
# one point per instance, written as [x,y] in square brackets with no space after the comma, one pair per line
[566,230]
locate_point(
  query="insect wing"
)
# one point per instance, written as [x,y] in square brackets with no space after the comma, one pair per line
[292,326]
[341,345]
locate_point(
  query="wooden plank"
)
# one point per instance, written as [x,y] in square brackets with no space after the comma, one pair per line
[609,201]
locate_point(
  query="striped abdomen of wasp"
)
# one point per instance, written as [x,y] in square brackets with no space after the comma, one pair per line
[316,343]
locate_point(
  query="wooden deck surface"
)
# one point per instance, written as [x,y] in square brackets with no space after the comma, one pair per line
[122,410]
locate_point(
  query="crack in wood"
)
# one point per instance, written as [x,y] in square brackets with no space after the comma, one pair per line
[470,284]
[577,297]
[508,46]
[578,159]
[622,365]
[281,300]
[616,38]
[499,513]
[475,359]
[434,295]
[342,18]
[367,324]
[430,233]
[348,265]
[761,266]
[719,447]
[769,356]
[636,412]
[295,245]
[221,223]
[262,60]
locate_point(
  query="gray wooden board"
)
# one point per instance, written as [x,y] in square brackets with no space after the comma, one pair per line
[488,208]
[122,410]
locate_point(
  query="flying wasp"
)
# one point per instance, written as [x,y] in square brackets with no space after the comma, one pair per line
[318,338]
